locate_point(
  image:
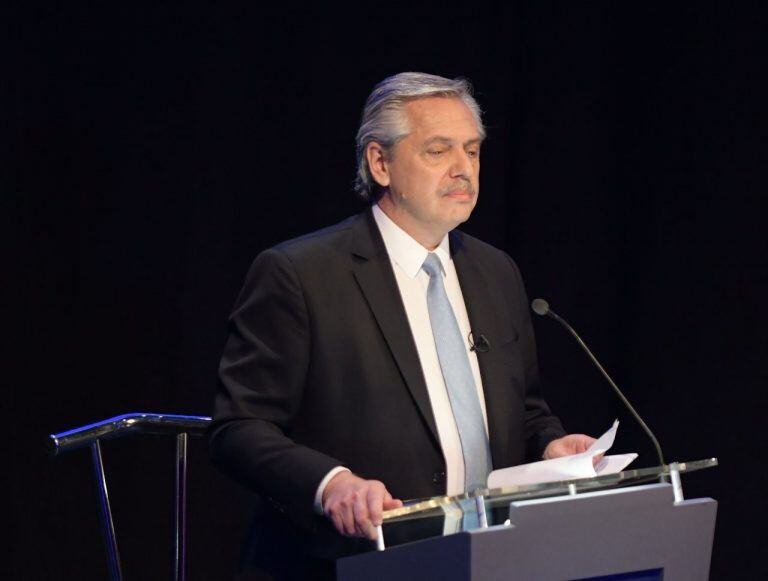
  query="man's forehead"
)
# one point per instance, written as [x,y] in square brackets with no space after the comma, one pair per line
[441,117]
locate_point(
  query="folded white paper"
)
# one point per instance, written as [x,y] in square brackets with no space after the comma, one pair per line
[566,468]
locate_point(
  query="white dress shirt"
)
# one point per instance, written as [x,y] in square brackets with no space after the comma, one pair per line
[407,257]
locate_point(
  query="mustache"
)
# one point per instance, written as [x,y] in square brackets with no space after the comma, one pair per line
[461,184]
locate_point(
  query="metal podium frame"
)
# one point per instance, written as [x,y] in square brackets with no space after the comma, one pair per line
[91,436]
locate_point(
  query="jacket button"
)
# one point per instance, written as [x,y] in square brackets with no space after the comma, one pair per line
[438,477]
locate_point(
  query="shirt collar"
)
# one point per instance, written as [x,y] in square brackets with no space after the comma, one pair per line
[403,249]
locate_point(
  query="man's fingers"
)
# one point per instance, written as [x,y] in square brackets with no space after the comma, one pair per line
[567,445]
[363,526]
[344,511]
[376,496]
[586,442]
[356,506]
[391,503]
[347,525]
[337,521]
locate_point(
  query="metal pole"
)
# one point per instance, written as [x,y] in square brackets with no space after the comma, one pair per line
[380,546]
[105,514]
[180,513]
[677,487]
[482,517]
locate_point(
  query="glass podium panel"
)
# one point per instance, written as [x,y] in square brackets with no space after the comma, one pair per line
[441,515]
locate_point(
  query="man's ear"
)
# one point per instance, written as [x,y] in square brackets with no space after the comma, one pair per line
[377,163]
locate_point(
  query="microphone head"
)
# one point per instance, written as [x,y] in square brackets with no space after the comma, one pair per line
[540,307]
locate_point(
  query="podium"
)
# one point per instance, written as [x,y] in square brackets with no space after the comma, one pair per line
[605,528]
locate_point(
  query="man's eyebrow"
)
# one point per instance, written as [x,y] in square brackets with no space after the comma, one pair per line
[438,139]
[449,141]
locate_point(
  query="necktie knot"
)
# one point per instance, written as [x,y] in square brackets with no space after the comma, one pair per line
[432,265]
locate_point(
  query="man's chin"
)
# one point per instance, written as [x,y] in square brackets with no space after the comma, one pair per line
[461,212]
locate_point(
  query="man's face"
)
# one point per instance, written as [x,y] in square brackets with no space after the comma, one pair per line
[434,172]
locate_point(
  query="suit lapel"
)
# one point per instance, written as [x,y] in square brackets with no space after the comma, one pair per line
[483,304]
[373,271]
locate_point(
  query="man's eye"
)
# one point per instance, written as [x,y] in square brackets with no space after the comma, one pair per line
[436,152]
[473,153]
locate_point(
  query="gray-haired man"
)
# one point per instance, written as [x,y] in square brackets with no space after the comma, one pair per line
[348,381]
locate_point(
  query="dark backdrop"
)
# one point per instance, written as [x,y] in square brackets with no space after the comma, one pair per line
[152,152]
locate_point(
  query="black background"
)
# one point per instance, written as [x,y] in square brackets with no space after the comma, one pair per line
[153,151]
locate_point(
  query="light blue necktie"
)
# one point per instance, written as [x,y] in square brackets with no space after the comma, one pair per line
[459,381]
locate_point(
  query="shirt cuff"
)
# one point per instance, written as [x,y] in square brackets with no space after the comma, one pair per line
[321,487]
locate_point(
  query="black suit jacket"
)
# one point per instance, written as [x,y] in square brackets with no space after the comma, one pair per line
[321,370]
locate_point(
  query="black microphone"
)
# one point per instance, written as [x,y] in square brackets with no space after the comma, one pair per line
[541,307]
[482,345]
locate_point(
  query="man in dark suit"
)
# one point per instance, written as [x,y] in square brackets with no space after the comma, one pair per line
[342,387]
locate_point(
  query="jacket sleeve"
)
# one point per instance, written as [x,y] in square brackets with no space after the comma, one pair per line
[541,426]
[262,378]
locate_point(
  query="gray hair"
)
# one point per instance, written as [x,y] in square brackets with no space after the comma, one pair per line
[383,120]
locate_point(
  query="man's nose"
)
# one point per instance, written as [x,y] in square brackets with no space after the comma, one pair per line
[462,164]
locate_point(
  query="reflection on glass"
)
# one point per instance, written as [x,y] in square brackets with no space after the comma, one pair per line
[450,508]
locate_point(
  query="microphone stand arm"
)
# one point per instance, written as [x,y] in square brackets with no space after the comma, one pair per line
[615,387]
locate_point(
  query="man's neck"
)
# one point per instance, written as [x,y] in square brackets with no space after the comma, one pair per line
[427,237]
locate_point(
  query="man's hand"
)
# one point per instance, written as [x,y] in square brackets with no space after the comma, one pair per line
[568,445]
[355,505]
